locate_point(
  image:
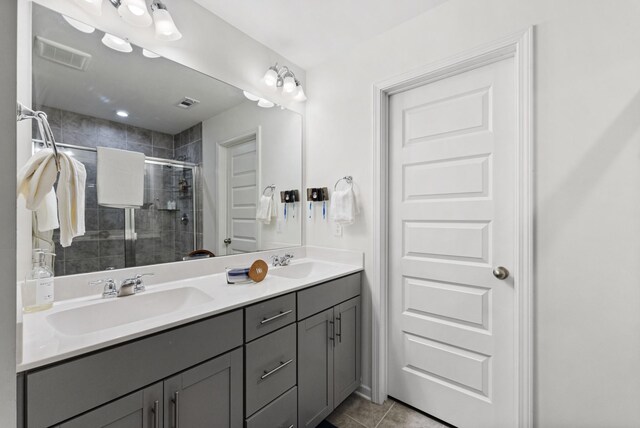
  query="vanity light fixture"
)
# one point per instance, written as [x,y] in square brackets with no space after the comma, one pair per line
[265,103]
[165,27]
[283,78]
[250,96]
[94,7]
[116,43]
[80,26]
[147,53]
[133,12]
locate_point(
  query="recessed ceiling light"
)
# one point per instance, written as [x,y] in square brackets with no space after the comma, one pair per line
[80,26]
[122,113]
[150,54]
[116,43]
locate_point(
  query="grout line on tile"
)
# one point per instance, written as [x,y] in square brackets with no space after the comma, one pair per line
[385,415]
[355,420]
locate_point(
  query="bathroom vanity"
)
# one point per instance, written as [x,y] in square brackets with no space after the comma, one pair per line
[284,359]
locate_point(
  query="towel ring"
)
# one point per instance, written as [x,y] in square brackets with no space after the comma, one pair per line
[271,187]
[347,178]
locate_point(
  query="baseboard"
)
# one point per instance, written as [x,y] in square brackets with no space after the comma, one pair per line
[364,391]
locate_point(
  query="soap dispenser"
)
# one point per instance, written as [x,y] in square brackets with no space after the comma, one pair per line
[37,294]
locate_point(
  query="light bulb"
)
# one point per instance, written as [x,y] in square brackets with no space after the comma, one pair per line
[300,95]
[165,27]
[134,12]
[265,103]
[116,43]
[289,84]
[80,26]
[250,96]
[94,7]
[271,77]
[122,113]
[150,54]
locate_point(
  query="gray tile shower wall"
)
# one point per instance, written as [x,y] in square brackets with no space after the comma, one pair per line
[162,236]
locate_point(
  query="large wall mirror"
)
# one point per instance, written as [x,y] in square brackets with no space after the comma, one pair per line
[211,153]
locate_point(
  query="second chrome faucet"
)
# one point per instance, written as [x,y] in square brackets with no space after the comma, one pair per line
[128,287]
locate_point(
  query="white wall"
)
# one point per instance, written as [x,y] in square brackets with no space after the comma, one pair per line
[280,163]
[588,181]
[8,14]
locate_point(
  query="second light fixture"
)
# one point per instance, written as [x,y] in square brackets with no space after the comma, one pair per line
[283,78]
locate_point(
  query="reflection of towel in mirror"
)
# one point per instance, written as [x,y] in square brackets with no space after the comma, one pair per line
[265,209]
[343,206]
[120,179]
[35,183]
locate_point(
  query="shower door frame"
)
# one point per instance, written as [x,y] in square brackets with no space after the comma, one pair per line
[130,235]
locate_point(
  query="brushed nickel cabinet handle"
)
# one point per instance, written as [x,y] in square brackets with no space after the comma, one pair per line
[339,334]
[275,317]
[156,414]
[282,365]
[176,409]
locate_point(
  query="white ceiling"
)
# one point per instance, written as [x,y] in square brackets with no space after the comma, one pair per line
[147,88]
[310,32]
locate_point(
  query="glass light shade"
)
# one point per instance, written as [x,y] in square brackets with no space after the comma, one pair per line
[265,103]
[300,95]
[116,43]
[166,29]
[250,96]
[271,78]
[289,85]
[134,12]
[80,26]
[94,7]
[150,54]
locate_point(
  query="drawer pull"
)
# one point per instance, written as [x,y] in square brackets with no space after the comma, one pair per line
[275,317]
[268,373]
[339,318]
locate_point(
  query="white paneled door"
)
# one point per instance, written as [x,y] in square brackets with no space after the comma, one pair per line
[452,224]
[242,194]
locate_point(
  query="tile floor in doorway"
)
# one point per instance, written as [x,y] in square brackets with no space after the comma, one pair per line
[357,412]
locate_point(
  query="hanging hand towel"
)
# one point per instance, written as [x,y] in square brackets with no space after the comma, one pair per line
[120,179]
[265,209]
[35,183]
[343,206]
[47,213]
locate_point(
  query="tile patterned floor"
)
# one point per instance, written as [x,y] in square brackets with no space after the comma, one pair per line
[356,412]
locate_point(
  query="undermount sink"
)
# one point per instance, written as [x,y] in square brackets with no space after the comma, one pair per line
[301,270]
[124,310]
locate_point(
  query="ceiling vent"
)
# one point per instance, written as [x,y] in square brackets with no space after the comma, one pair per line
[187,103]
[61,54]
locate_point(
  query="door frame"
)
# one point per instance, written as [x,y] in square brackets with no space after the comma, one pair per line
[221,174]
[520,47]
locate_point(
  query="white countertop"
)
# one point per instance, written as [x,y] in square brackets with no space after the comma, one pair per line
[43,344]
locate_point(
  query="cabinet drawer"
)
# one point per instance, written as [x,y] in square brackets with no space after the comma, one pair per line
[265,317]
[270,368]
[317,299]
[282,413]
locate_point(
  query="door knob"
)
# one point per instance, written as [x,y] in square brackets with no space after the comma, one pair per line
[501,272]
[227,241]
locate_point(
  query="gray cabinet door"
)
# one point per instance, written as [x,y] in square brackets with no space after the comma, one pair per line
[315,369]
[346,355]
[208,395]
[142,409]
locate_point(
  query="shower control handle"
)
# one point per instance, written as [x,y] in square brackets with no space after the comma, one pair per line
[227,241]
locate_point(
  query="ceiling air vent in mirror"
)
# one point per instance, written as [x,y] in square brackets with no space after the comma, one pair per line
[61,54]
[187,103]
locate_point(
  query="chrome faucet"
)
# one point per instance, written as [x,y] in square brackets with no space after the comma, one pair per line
[281,260]
[128,286]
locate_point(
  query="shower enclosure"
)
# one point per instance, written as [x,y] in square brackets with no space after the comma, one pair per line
[164,229]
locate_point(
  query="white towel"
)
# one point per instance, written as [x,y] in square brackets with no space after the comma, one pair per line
[265,209]
[343,206]
[35,183]
[120,179]
[47,213]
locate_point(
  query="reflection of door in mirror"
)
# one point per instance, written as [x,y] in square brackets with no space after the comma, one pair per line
[241,197]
